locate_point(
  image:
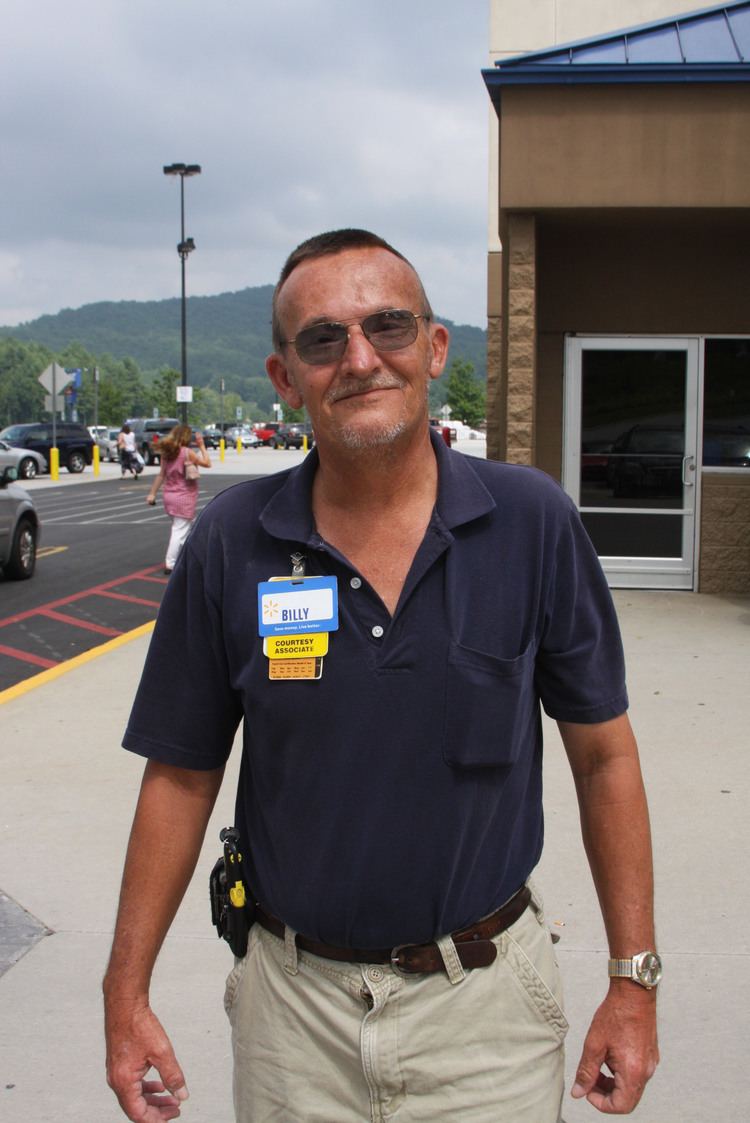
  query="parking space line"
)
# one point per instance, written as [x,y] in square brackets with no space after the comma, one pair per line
[127,597]
[26,657]
[71,664]
[95,590]
[77,623]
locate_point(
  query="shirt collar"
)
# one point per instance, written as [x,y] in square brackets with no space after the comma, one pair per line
[462,497]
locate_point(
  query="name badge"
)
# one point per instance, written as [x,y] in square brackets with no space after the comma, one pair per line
[296,647]
[298,607]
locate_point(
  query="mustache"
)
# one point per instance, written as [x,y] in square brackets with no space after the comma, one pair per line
[347,387]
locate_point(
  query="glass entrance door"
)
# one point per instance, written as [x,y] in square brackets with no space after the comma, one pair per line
[630,454]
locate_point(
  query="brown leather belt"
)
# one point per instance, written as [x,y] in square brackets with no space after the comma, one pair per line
[473,944]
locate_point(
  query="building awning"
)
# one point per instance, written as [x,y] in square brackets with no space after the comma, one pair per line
[712,45]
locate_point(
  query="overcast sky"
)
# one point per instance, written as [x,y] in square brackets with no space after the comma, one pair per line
[305,115]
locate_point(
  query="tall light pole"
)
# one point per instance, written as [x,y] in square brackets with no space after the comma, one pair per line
[184,247]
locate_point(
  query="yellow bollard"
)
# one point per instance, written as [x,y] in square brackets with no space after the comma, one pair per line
[239,444]
[96,460]
[222,446]
[304,442]
[54,463]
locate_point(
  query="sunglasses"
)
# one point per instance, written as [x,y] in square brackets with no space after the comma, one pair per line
[389,330]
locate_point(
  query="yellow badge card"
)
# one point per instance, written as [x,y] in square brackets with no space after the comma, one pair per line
[296,646]
[287,670]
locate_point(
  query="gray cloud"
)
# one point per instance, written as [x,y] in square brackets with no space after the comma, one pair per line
[305,115]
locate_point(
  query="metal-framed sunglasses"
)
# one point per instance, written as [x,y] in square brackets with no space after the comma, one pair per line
[389,330]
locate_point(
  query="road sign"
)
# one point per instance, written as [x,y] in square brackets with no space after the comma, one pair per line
[55,378]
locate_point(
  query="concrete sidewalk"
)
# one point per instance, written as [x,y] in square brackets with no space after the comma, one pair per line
[68,793]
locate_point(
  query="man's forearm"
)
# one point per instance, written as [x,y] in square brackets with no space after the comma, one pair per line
[620,1052]
[615,829]
[170,822]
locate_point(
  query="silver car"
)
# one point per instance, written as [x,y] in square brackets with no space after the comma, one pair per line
[106,440]
[28,462]
[19,528]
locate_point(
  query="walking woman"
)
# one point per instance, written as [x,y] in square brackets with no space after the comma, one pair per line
[179,475]
[127,450]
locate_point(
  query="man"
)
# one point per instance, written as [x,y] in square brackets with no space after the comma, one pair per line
[389,799]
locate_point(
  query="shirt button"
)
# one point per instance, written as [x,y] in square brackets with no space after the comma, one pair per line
[377,631]
[375,974]
[356,582]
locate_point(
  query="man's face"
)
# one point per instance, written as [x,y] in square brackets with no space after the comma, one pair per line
[366,398]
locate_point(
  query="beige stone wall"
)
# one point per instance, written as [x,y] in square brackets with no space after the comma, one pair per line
[725,533]
[495,391]
[495,380]
[521,328]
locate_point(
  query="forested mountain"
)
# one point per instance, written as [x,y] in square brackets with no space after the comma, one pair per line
[228,335]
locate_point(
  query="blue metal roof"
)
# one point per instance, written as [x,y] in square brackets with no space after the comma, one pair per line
[712,45]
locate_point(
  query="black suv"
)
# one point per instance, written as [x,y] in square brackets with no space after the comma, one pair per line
[74,442]
[148,433]
[291,435]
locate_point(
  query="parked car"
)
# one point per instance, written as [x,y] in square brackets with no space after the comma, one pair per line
[19,528]
[725,447]
[248,437]
[106,440]
[448,434]
[149,431]
[27,463]
[265,430]
[113,449]
[292,435]
[646,459]
[211,436]
[74,442]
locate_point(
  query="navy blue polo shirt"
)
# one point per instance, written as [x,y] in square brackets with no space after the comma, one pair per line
[399,797]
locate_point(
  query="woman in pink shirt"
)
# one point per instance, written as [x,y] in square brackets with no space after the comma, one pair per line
[180,492]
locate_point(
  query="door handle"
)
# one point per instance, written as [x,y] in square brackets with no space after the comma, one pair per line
[688,464]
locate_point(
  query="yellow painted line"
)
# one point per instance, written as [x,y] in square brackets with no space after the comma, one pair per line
[70,664]
[47,551]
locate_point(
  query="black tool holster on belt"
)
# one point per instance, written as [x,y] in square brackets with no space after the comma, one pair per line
[232,906]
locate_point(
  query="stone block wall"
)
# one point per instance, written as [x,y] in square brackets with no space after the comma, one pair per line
[521,327]
[725,533]
[495,390]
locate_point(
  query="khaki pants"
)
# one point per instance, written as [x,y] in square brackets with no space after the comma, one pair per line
[322,1042]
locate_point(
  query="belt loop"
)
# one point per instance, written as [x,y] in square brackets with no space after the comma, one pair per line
[290,951]
[453,966]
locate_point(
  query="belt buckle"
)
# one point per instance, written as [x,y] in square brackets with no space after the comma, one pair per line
[395,965]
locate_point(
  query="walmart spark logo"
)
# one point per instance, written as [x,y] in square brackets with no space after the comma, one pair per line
[271,610]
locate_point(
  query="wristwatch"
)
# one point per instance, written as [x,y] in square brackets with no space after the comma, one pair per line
[644,969]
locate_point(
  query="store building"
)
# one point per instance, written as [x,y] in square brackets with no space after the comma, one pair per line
[619,289]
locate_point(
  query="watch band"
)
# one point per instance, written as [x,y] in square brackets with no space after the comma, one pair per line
[621,968]
[645,968]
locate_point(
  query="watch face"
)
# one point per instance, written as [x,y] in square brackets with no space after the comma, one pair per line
[648,969]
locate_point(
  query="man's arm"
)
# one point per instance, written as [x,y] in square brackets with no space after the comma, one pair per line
[173,809]
[617,838]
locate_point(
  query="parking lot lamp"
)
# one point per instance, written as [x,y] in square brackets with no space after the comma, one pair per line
[184,247]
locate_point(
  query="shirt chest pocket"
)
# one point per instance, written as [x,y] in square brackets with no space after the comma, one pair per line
[491,708]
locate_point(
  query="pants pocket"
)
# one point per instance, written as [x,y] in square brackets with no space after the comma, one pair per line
[530,957]
[234,978]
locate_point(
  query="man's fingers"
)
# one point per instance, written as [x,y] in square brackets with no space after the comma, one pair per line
[588,1076]
[148,1101]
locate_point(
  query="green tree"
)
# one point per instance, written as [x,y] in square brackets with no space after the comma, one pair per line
[21,393]
[466,395]
[292,415]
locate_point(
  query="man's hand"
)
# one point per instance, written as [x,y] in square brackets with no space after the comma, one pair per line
[622,1037]
[136,1042]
